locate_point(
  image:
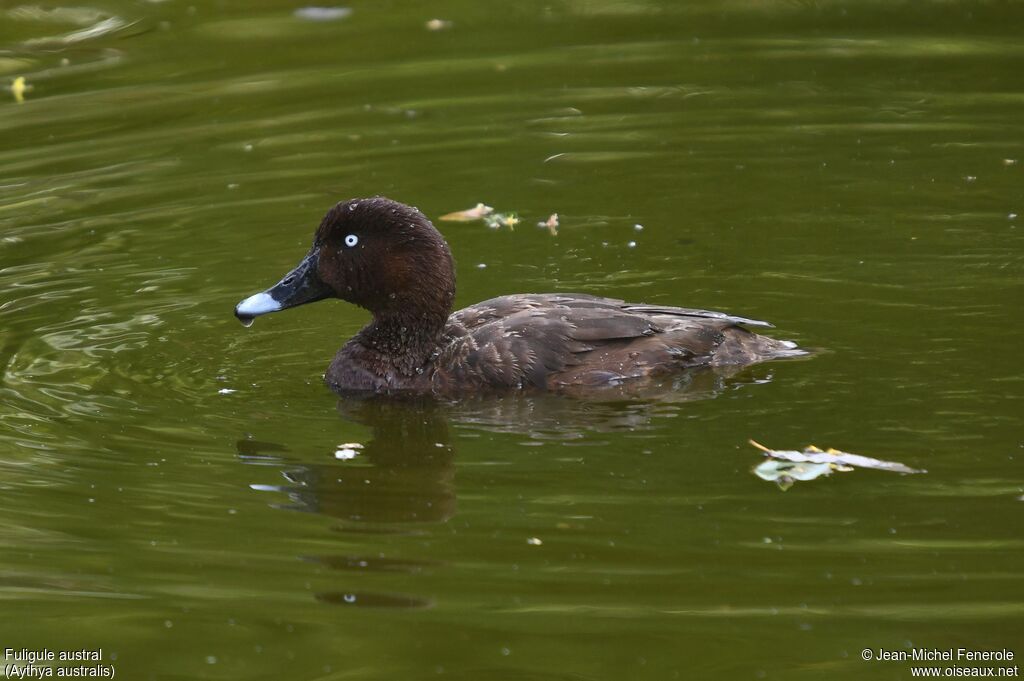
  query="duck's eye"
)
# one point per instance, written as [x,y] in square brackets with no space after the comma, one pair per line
[351,240]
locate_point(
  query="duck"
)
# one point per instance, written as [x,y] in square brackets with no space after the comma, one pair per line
[387,258]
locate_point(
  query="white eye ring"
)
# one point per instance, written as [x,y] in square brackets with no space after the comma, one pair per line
[351,240]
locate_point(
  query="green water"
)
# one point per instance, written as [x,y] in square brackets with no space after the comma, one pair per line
[169,485]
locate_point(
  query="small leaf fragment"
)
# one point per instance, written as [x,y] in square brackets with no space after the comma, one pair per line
[18,88]
[551,224]
[478,212]
[499,220]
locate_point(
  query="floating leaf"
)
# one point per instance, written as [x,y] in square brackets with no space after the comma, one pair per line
[498,220]
[485,213]
[812,454]
[478,212]
[19,88]
[551,223]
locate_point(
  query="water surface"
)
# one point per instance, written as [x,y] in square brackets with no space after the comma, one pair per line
[184,493]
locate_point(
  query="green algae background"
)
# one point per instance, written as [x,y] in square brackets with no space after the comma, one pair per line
[174,488]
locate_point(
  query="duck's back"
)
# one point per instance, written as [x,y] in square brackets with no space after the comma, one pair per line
[565,341]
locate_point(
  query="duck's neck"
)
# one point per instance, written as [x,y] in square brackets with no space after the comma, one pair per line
[403,341]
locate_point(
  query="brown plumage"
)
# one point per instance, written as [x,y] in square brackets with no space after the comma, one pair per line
[388,258]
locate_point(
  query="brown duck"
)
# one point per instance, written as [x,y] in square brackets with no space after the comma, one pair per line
[388,258]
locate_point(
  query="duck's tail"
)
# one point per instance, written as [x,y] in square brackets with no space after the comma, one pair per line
[741,346]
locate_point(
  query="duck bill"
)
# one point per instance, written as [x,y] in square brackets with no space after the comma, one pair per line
[298,287]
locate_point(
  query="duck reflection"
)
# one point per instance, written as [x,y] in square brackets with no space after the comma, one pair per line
[403,474]
[402,477]
[633,406]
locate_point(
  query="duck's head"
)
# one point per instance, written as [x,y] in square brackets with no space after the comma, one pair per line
[376,253]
